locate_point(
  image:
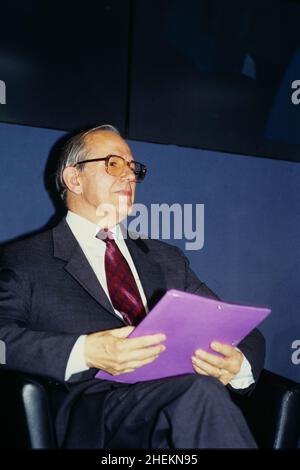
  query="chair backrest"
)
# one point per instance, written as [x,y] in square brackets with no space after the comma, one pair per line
[26,417]
[37,413]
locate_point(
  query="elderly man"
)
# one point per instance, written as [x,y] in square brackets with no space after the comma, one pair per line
[69,298]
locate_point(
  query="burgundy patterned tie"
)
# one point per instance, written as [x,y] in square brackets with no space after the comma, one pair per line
[121,284]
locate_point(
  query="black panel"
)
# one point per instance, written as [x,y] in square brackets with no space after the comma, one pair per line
[217,74]
[65,64]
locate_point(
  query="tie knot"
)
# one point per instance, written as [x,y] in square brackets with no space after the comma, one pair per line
[105,235]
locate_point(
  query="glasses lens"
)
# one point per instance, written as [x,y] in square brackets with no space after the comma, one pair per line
[139,170]
[115,165]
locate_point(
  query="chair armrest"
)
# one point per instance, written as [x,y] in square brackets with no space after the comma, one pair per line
[272,411]
[26,411]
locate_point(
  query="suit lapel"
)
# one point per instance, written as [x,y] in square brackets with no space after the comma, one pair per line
[79,267]
[67,248]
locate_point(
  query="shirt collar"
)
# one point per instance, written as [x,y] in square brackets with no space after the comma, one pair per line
[85,229]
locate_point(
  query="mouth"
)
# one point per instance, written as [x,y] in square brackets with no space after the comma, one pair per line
[125,192]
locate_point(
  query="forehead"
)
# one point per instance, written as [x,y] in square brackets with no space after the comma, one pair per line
[105,142]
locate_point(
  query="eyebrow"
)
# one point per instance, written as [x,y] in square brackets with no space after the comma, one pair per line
[117,155]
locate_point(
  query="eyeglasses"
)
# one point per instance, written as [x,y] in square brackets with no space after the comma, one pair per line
[115,165]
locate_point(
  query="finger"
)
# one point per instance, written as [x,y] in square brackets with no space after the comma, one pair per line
[125,371]
[141,354]
[122,332]
[227,366]
[224,380]
[210,358]
[199,370]
[144,341]
[209,369]
[128,366]
[137,364]
[233,358]
[226,349]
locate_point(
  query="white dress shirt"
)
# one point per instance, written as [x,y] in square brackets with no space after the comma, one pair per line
[94,249]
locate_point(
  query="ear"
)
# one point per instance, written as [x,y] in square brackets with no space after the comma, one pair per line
[72,180]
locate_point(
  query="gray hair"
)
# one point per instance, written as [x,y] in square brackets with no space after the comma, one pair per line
[74,151]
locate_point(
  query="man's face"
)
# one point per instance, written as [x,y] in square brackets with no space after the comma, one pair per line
[106,199]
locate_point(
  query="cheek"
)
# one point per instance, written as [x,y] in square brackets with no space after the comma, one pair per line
[96,193]
[102,190]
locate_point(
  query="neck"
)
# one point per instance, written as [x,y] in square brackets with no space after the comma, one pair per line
[103,221]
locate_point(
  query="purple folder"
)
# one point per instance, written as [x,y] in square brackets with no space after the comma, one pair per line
[189,322]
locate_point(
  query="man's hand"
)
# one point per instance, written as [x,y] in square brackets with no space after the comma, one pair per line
[113,352]
[222,368]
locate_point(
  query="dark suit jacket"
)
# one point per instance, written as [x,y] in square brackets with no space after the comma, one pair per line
[49,295]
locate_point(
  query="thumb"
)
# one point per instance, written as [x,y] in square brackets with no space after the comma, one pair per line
[122,332]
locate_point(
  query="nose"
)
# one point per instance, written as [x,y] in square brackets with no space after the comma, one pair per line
[127,174]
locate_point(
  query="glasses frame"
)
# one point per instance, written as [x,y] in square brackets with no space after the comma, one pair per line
[141,173]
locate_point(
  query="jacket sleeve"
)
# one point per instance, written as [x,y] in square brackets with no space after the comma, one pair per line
[27,350]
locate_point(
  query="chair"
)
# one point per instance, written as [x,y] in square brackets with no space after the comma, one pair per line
[26,403]
[26,411]
[272,411]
